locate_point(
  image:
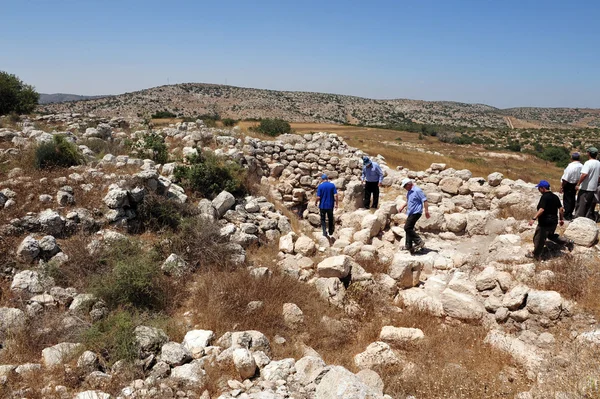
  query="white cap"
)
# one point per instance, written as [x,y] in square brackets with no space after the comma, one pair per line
[405,181]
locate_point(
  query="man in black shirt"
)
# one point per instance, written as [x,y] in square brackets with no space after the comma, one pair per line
[547,210]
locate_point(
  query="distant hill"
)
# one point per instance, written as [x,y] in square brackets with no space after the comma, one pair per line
[193,99]
[62,97]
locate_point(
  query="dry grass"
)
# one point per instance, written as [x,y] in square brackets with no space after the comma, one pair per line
[576,278]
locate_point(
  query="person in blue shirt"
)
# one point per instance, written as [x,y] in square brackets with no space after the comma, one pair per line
[416,202]
[327,199]
[372,176]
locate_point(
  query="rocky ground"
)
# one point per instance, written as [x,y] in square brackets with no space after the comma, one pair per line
[472,276]
[242,103]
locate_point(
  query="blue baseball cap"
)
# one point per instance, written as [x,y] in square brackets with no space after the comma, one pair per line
[324,176]
[543,184]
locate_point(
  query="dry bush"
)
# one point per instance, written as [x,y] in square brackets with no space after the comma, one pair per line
[104,147]
[81,266]
[576,278]
[452,362]
[219,301]
[42,331]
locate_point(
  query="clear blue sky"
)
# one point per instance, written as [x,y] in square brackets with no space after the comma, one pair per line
[500,52]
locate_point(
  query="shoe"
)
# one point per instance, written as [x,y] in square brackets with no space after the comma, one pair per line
[419,246]
[529,255]
[570,245]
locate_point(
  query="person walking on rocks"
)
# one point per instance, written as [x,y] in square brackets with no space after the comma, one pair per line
[327,199]
[372,176]
[569,180]
[549,214]
[416,202]
[587,185]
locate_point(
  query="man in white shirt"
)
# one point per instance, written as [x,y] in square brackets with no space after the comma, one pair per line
[568,182]
[587,185]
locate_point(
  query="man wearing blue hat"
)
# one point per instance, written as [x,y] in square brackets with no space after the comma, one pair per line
[569,180]
[372,176]
[549,214]
[327,199]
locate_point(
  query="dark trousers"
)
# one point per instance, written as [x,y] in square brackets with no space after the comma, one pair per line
[329,214]
[543,233]
[409,227]
[371,187]
[586,204]
[569,199]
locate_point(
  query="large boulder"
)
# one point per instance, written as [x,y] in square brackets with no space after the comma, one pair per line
[223,202]
[28,250]
[150,339]
[372,224]
[545,303]
[331,289]
[244,363]
[353,196]
[31,281]
[305,245]
[191,373]
[339,383]
[455,222]
[450,185]
[583,231]
[309,368]
[335,266]
[433,224]
[377,354]
[196,340]
[462,306]
[60,353]
[494,179]
[405,269]
[174,354]
[477,222]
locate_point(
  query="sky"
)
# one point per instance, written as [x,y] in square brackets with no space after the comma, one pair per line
[504,53]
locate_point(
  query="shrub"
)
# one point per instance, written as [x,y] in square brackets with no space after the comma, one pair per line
[57,153]
[134,278]
[229,122]
[155,144]
[163,114]
[113,337]
[274,127]
[209,175]
[158,213]
[559,155]
[15,96]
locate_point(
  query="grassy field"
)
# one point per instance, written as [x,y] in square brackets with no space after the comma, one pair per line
[406,149]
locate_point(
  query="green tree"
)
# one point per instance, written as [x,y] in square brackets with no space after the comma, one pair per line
[274,127]
[16,96]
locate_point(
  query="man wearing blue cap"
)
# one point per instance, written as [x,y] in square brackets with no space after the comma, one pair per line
[372,176]
[327,199]
[569,180]
[548,208]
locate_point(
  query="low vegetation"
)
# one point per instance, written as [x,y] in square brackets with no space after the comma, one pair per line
[16,96]
[273,127]
[57,153]
[208,175]
[153,145]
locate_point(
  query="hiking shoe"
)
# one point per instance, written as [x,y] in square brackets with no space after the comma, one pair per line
[570,245]
[419,246]
[530,255]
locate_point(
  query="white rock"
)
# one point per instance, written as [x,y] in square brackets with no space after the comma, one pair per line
[92,395]
[223,202]
[462,306]
[399,336]
[31,281]
[450,185]
[174,354]
[196,340]
[175,265]
[309,368]
[377,354]
[305,245]
[60,353]
[545,303]
[405,269]
[583,231]
[486,280]
[278,370]
[335,266]
[292,315]
[28,250]
[494,179]
[191,373]
[286,243]
[150,339]
[515,297]
[339,383]
[244,363]
[11,319]
[455,222]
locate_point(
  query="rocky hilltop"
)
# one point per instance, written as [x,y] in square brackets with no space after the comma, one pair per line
[242,103]
[486,321]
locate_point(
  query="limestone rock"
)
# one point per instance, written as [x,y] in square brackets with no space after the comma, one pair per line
[494,179]
[515,297]
[11,319]
[309,368]
[305,245]
[377,354]
[60,353]
[31,281]
[223,202]
[399,336]
[150,339]
[462,306]
[450,185]
[455,222]
[190,373]
[196,340]
[244,363]
[174,354]
[339,383]
[545,303]
[405,269]
[335,266]
[583,231]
